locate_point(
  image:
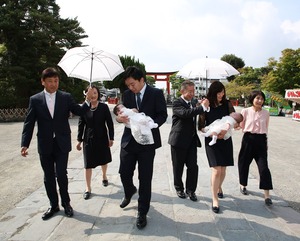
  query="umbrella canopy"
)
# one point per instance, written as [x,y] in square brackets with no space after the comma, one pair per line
[90,64]
[207,68]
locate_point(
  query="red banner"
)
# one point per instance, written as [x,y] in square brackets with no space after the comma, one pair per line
[296,115]
[293,95]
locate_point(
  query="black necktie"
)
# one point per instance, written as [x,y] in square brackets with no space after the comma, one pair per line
[189,104]
[138,100]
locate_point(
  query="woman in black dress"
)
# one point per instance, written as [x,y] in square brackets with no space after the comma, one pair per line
[96,131]
[219,155]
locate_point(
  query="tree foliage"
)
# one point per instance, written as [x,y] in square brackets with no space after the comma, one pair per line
[284,74]
[274,78]
[118,82]
[176,82]
[236,91]
[249,75]
[33,36]
[234,61]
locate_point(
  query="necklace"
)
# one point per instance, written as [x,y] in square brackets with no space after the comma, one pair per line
[94,108]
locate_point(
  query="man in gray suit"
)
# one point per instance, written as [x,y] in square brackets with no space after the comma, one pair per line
[51,109]
[184,140]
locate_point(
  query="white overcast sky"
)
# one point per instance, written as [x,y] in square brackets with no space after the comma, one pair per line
[166,34]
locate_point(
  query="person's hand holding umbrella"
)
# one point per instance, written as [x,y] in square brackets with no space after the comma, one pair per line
[89,94]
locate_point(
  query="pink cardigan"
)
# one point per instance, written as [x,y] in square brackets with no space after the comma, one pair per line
[256,122]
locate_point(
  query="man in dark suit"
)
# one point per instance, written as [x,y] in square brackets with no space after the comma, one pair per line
[151,101]
[184,140]
[51,109]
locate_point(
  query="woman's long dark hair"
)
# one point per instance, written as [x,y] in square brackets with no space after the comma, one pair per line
[213,90]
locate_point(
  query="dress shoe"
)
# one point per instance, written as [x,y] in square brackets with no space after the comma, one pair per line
[180,194]
[68,210]
[141,220]
[50,212]
[268,202]
[215,209]
[244,191]
[105,183]
[220,195]
[126,200]
[86,195]
[192,196]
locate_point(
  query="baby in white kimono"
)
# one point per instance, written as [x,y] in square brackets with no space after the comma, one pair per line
[139,123]
[227,123]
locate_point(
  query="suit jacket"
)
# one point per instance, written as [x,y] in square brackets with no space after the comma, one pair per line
[47,126]
[154,105]
[184,124]
[95,129]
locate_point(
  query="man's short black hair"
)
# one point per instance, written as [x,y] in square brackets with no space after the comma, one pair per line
[135,73]
[49,72]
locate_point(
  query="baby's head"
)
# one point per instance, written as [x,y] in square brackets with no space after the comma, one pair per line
[237,116]
[117,109]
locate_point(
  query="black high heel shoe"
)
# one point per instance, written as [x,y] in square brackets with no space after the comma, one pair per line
[105,183]
[244,191]
[215,209]
[220,195]
[268,202]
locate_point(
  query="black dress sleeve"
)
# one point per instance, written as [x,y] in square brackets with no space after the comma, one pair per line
[81,127]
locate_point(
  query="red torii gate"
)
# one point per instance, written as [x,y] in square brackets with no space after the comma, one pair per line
[162,76]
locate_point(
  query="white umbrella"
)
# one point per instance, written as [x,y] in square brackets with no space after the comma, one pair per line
[91,64]
[207,68]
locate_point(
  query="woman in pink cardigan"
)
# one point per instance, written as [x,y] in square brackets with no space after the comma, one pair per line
[254,144]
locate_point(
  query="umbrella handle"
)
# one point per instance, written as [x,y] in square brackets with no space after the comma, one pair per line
[91,73]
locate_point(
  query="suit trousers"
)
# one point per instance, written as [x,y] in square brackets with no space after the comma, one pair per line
[254,146]
[55,167]
[188,157]
[129,156]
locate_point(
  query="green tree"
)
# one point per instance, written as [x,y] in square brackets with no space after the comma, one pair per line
[176,82]
[118,82]
[236,91]
[150,80]
[250,75]
[234,61]
[284,74]
[35,37]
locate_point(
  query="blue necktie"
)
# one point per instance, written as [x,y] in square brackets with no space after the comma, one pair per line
[138,100]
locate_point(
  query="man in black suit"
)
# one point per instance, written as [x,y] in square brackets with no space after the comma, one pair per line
[184,140]
[151,101]
[51,109]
